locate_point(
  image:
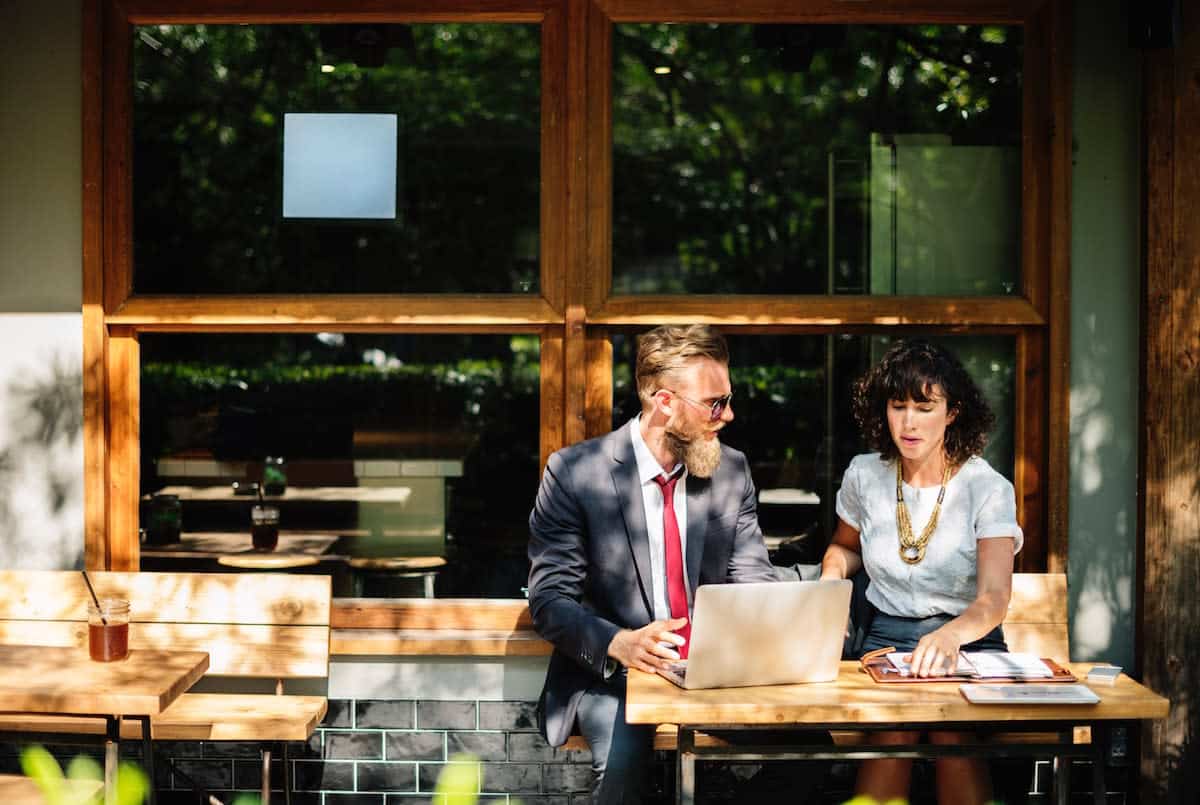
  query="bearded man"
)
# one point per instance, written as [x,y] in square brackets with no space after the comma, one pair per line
[625,527]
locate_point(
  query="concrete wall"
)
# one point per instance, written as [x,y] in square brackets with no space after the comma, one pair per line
[41,390]
[1105,273]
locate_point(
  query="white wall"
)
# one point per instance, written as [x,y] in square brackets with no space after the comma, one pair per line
[41,392]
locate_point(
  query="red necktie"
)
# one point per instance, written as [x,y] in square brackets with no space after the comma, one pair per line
[676,592]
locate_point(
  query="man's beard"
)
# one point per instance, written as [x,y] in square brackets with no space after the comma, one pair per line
[699,455]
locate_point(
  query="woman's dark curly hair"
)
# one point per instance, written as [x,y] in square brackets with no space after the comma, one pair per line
[910,370]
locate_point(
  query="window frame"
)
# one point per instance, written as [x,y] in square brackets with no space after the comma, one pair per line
[574,308]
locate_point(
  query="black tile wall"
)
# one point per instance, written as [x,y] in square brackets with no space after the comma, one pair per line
[374,713]
[446,715]
[415,745]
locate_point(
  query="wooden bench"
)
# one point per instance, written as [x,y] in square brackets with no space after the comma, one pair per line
[18,790]
[1036,622]
[255,627]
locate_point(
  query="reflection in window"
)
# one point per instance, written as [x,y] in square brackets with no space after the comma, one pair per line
[209,104]
[389,446]
[793,420]
[822,159]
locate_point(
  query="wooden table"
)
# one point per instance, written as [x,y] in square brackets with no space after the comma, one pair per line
[66,681]
[854,702]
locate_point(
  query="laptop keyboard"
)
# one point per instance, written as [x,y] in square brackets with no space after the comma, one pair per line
[678,667]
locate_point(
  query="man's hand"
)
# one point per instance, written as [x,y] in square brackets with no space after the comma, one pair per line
[642,649]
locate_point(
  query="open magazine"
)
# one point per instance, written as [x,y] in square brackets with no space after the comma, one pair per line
[889,665]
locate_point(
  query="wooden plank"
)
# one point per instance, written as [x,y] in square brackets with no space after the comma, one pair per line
[1043,639]
[1029,442]
[488,614]
[575,380]
[438,642]
[124,467]
[268,652]
[314,313]
[95,334]
[1036,134]
[823,11]
[557,173]
[1058,362]
[41,679]
[598,403]
[117,143]
[199,717]
[666,738]
[234,598]
[240,717]
[1169,552]
[1037,598]
[577,223]
[856,700]
[334,11]
[551,394]
[821,311]
[597,243]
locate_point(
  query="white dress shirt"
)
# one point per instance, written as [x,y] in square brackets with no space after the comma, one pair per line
[652,497]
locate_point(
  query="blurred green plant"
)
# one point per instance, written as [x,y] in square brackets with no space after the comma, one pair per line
[461,781]
[132,783]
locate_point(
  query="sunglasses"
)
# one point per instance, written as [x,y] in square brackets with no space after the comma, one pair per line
[715,409]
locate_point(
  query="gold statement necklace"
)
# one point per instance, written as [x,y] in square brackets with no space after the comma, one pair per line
[912,549]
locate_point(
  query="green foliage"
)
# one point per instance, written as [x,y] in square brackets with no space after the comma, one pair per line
[209,106]
[723,142]
[460,781]
[37,763]
[725,139]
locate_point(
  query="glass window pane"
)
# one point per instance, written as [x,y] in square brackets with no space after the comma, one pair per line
[793,419]
[370,446]
[816,159]
[210,108]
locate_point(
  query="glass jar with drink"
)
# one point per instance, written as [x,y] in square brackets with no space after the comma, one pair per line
[108,629]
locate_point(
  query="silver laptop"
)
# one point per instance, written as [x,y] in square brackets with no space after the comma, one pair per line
[769,633]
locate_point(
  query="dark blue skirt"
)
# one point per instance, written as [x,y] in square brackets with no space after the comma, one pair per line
[903,633]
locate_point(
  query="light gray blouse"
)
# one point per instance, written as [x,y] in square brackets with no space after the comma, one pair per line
[979,504]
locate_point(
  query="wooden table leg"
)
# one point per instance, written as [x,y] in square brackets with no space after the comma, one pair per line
[1060,765]
[148,757]
[266,776]
[1100,739]
[685,767]
[112,743]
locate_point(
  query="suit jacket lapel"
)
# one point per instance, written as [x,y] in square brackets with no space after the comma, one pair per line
[629,491]
[698,499]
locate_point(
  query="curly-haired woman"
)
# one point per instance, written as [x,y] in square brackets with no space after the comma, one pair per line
[936,528]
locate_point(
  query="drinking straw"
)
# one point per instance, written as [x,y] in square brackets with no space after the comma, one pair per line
[92,590]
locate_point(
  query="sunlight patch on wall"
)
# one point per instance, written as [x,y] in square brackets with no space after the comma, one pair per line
[41,441]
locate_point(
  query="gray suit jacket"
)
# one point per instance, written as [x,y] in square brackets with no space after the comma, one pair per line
[590,557]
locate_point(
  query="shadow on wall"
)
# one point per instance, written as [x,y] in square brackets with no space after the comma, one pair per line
[1103,510]
[41,463]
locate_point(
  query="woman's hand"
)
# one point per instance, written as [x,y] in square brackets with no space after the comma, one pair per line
[936,653]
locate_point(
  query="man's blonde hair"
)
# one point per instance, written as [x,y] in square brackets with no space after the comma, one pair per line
[667,349]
